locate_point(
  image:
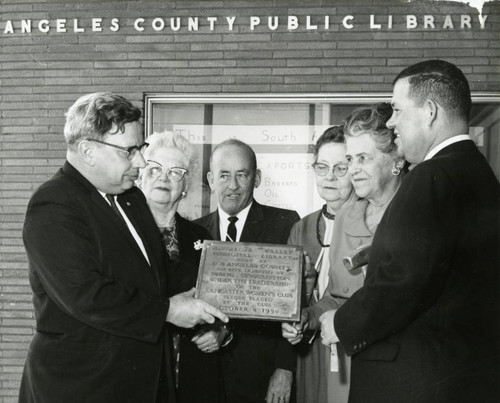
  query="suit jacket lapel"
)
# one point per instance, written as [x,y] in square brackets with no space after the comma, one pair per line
[186,245]
[137,217]
[253,224]
[213,224]
[108,214]
[116,221]
[102,204]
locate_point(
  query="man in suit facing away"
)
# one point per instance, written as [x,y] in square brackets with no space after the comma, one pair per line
[425,326]
[97,270]
[258,364]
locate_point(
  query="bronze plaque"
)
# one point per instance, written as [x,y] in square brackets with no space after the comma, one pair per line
[251,280]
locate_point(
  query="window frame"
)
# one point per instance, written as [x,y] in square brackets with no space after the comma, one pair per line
[296,98]
[332,99]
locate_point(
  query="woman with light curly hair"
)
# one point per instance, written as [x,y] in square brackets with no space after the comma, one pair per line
[171,160]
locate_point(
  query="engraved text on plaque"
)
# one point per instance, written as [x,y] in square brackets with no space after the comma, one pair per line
[251,280]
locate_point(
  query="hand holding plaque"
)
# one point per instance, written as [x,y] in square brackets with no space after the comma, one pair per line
[251,280]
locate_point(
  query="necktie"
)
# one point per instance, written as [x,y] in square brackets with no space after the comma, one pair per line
[231,229]
[111,199]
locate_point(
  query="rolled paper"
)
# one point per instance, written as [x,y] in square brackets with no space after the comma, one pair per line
[358,258]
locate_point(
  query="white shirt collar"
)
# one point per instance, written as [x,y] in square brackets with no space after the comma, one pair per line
[223,221]
[446,143]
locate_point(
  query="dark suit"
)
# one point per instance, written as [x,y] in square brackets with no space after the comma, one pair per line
[100,308]
[424,328]
[258,347]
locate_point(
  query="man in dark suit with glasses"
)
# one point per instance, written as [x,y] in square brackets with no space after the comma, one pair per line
[98,270]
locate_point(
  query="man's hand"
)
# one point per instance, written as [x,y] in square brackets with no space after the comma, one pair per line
[328,334]
[294,332]
[280,386]
[187,311]
[209,338]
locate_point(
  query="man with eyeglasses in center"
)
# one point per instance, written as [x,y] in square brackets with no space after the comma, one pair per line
[97,269]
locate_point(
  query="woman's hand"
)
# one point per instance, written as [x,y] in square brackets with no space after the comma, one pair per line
[294,332]
[209,338]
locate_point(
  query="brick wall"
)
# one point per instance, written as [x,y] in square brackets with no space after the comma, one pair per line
[42,74]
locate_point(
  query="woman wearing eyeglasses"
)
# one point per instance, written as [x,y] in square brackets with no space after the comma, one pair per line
[314,233]
[164,181]
[376,170]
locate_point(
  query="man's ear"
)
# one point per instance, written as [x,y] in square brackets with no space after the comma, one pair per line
[432,109]
[258,178]
[210,179]
[86,152]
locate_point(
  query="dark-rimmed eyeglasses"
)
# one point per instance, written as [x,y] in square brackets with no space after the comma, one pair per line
[130,152]
[338,170]
[174,174]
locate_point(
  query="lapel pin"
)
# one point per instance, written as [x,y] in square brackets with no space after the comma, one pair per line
[128,204]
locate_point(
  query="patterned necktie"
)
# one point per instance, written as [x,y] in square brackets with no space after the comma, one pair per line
[111,199]
[231,229]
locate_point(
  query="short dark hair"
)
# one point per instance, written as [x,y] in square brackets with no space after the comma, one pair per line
[441,81]
[237,143]
[334,134]
[372,119]
[94,115]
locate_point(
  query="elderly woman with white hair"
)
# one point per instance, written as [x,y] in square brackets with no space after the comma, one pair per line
[164,181]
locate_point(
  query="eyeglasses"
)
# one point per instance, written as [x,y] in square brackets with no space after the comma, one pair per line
[130,152]
[321,169]
[174,174]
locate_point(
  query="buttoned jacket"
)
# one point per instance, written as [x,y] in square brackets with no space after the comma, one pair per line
[425,325]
